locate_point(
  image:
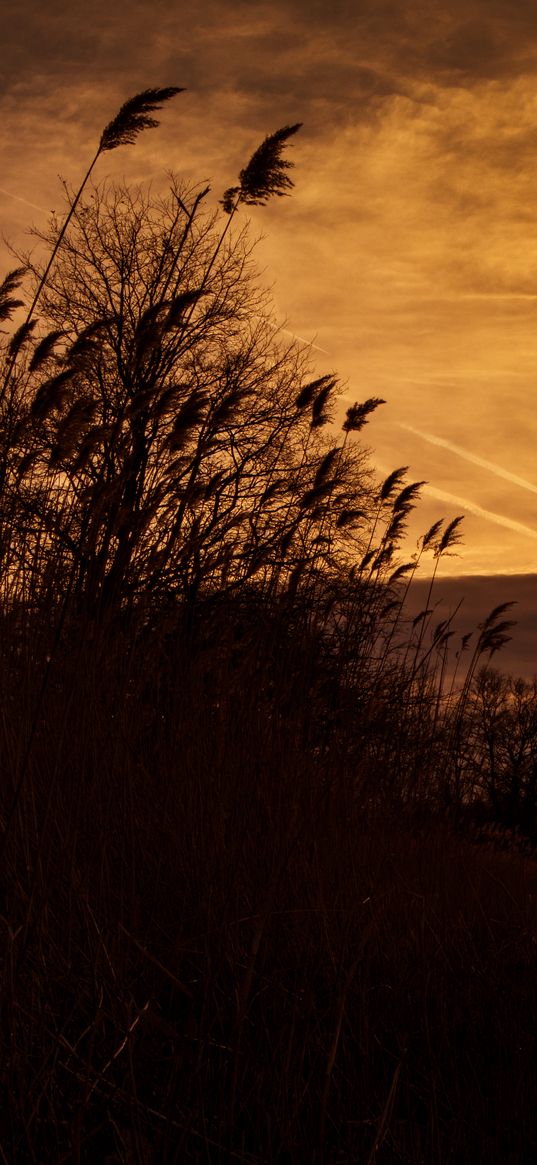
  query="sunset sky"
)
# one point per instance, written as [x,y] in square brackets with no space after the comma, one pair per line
[408,251]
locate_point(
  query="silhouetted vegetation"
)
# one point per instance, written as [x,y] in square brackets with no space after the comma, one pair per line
[245,915]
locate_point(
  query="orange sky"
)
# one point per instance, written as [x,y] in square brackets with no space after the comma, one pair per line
[408,251]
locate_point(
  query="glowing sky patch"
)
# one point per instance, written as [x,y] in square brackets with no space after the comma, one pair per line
[408,249]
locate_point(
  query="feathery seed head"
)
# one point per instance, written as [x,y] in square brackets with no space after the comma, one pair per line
[367,559]
[318,415]
[406,498]
[393,481]
[358,414]
[307,393]
[385,556]
[493,616]
[20,336]
[397,525]
[495,638]
[451,537]
[52,395]
[286,541]
[167,401]
[12,280]
[274,488]
[148,332]
[439,630]
[180,304]
[348,517]
[421,616]
[493,632]
[10,284]
[314,495]
[324,467]
[86,343]
[133,117]
[430,536]
[265,175]
[71,429]
[401,572]
[189,415]
[227,407]
[45,349]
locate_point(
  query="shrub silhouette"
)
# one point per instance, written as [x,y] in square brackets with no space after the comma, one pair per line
[163,439]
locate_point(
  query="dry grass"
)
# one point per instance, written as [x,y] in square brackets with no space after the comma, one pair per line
[212,954]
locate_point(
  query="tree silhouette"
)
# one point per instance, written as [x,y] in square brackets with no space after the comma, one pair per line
[169,442]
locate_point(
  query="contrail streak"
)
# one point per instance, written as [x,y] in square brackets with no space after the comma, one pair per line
[480,461]
[307,343]
[479,512]
[24,200]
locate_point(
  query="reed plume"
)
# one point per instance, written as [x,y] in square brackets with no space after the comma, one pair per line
[265,176]
[132,119]
[430,536]
[52,394]
[392,482]
[20,337]
[493,630]
[358,414]
[325,466]
[10,284]
[451,537]
[319,416]
[190,414]
[407,497]
[307,394]
[348,517]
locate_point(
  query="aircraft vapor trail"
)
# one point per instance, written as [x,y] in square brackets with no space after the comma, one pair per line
[479,512]
[472,457]
[24,200]
[307,343]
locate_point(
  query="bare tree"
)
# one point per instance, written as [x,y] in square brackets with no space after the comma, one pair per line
[501,760]
[169,441]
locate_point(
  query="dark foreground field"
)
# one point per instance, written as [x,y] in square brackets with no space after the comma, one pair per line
[218,945]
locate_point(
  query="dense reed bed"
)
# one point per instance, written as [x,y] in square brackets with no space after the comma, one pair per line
[244,914]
